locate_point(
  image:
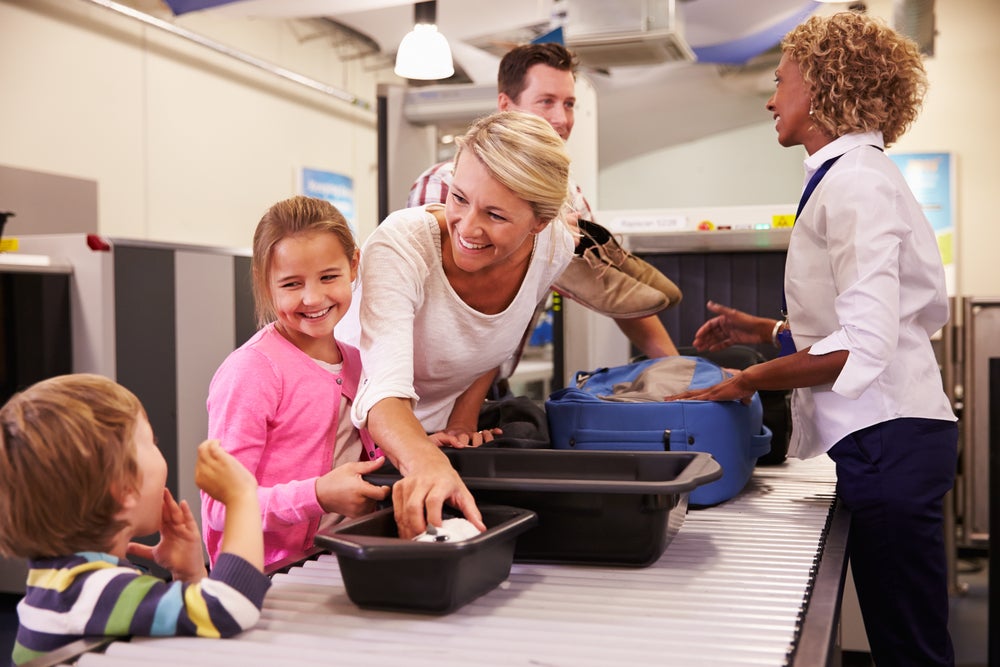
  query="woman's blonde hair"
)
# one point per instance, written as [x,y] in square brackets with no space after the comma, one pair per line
[863,75]
[67,457]
[523,153]
[296,215]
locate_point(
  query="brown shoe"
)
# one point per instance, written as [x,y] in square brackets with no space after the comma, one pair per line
[648,274]
[606,290]
[600,247]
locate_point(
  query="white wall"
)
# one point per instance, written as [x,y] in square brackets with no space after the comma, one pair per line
[187,145]
[190,146]
[960,116]
[740,167]
[747,166]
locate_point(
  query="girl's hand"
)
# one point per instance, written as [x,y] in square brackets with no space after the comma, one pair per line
[342,490]
[179,549]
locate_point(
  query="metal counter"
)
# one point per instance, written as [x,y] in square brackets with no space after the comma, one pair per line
[733,240]
[754,581]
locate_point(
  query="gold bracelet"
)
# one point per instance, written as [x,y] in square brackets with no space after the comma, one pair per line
[775,330]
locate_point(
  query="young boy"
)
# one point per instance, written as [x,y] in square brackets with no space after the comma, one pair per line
[80,475]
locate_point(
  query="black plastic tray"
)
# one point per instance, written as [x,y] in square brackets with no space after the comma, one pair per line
[598,507]
[382,571]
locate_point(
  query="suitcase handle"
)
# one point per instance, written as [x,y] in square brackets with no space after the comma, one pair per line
[760,444]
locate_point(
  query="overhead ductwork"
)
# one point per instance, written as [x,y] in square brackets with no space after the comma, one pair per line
[449,103]
[915,19]
[625,33]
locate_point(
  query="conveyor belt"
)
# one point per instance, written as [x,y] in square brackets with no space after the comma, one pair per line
[730,590]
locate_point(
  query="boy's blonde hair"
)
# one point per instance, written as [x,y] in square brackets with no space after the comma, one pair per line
[296,215]
[524,154]
[67,457]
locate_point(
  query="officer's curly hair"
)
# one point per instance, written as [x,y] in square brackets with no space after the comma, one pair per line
[863,75]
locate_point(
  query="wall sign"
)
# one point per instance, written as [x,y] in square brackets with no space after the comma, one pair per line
[333,187]
[931,178]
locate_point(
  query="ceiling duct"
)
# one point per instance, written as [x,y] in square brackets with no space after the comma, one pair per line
[625,33]
[915,19]
[445,103]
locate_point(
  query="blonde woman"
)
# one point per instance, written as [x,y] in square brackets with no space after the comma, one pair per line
[865,291]
[447,293]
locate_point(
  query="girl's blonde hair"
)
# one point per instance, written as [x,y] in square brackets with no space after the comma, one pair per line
[523,153]
[863,75]
[297,215]
[67,457]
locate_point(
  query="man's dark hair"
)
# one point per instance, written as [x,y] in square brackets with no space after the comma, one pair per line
[512,78]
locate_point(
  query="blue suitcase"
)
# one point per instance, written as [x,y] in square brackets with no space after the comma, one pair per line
[731,431]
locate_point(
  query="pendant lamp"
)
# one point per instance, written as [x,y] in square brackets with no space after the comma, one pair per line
[424,52]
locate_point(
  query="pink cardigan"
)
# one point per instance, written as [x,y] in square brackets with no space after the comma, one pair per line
[276,410]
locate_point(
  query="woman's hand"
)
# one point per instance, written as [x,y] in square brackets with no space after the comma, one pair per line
[735,388]
[179,548]
[731,326]
[343,491]
[429,482]
[571,218]
[460,438]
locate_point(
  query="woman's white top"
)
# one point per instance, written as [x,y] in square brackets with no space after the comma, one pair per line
[418,339]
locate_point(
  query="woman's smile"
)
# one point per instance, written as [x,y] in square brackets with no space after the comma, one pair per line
[469,245]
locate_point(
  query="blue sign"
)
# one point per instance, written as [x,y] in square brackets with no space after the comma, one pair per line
[931,177]
[335,188]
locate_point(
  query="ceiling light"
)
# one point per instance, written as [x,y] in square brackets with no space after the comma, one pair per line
[424,52]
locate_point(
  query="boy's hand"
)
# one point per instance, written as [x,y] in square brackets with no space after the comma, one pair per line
[226,480]
[220,475]
[179,548]
[343,491]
